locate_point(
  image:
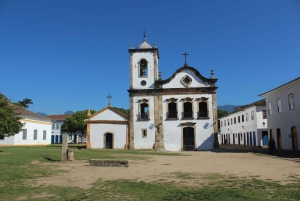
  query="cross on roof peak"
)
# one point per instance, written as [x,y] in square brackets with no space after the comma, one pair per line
[109,97]
[185,54]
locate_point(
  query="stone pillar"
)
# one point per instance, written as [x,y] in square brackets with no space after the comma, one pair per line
[64,147]
[215,119]
[71,154]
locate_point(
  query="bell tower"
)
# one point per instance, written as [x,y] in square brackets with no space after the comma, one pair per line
[143,74]
[143,65]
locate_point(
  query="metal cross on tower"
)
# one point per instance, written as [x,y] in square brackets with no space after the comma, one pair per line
[185,54]
[144,34]
[109,97]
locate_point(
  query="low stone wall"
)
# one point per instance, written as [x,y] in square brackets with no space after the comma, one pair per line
[109,163]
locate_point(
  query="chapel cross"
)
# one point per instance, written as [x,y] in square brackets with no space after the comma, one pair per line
[185,54]
[109,97]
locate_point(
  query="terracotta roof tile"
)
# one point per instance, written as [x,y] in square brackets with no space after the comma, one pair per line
[61,117]
[26,113]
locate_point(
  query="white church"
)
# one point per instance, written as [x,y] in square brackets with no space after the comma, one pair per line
[176,114]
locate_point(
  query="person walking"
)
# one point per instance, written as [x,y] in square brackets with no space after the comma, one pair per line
[270,144]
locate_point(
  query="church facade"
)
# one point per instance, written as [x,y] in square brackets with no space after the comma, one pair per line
[176,114]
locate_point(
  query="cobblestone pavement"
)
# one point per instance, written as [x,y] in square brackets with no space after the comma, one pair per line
[291,155]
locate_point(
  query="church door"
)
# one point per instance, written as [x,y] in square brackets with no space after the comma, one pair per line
[108,140]
[188,139]
[294,138]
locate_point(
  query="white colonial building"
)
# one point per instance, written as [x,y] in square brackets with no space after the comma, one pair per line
[246,125]
[179,113]
[56,134]
[283,105]
[36,130]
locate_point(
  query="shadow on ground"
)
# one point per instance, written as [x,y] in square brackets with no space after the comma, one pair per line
[252,149]
[50,159]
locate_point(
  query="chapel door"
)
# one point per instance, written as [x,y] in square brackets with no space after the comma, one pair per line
[108,141]
[188,139]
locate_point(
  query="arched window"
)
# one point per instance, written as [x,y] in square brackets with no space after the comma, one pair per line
[270,108]
[203,112]
[172,108]
[291,102]
[143,68]
[203,107]
[279,105]
[144,110]
[188,110]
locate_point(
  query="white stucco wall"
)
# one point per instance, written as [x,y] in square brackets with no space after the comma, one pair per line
[176,81]
[286,119]
[140,141]
[98,131]
[173,133]
[252,126]
[30,125]
[135,70]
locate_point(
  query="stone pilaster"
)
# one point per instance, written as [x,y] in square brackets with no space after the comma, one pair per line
[158,121]
[131,68]
[215,119]
[155,66]
[131,125]
[88,135]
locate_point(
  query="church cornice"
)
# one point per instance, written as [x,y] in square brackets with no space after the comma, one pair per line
[172,91]
[154,50]
[106,122]
[211,81]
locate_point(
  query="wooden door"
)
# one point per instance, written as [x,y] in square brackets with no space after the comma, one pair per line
[279,142]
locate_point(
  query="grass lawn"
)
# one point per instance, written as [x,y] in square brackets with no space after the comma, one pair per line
[17,165]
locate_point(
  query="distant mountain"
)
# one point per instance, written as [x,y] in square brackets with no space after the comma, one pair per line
[69,112]
[41,114]
[228,108]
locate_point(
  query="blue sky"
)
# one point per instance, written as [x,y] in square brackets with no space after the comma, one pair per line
[69,55]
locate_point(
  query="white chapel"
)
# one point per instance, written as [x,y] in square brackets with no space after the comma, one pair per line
[176,114]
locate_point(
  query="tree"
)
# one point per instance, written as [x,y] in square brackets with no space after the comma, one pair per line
[9,120]
[25,102]
[76,123]
[222,113]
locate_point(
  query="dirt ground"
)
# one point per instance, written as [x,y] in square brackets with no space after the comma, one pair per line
[159,168]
